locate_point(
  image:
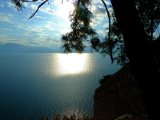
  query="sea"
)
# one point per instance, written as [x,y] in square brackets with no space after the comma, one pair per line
[37,85]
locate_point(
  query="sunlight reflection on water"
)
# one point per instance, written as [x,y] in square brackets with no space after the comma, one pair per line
[73,63]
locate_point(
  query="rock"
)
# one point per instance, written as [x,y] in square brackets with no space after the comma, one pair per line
[118,95]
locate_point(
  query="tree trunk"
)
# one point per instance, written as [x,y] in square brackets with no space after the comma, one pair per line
[139,52]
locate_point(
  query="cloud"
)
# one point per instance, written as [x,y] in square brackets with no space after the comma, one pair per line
[2,38]
[50,25]
[48,29]
[98,7]
[54,8]
[102,33]
[32,6]
[7,39]
[7,18]
[43,8]
[39,17]
[99,13]
[157,32]
[1,5]
[11,5]
[31,41]
[100,17]
[50,42]
[6,29]
[48,10]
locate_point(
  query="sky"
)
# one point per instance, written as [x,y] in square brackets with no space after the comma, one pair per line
[47,26]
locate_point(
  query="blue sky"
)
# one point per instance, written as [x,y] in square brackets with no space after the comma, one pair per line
[47,26]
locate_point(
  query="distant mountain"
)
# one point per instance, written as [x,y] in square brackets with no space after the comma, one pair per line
[12,47]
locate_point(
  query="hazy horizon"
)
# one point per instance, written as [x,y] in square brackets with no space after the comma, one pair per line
[13,47]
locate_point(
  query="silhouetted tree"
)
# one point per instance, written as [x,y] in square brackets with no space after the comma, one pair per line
[148,12]
[81,29]
[139,52]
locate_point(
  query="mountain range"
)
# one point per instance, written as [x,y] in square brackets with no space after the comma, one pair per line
[13,47]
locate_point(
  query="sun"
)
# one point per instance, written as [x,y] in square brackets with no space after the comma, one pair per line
[65,9]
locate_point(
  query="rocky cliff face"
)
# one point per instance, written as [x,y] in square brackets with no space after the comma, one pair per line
[118,95]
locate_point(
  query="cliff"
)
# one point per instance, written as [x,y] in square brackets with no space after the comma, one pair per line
[118,96]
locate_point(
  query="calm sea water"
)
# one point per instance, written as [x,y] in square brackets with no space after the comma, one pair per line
[33,85]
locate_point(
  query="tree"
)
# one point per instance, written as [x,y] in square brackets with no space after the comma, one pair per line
[148,12]
[81,29]
[141,58]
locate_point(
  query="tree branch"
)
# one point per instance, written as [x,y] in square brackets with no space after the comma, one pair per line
[85,7]
[30,0]
[109,32]
[38,8]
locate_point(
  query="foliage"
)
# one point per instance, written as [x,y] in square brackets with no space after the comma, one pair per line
[149,12]
[81,29]
[67,117]
[116,43]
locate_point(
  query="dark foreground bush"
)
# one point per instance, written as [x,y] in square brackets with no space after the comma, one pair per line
[67,117]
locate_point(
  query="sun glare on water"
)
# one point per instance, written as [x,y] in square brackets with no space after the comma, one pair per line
[72,63]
